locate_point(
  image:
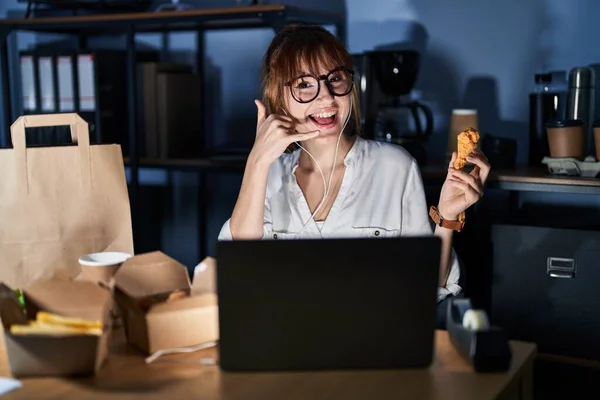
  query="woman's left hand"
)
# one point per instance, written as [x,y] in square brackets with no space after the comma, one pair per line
[461,189]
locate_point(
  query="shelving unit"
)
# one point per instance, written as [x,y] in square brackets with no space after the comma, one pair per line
[200,21]
[128,24]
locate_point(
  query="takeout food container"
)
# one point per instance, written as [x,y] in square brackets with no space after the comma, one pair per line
[161,308]
[64,354]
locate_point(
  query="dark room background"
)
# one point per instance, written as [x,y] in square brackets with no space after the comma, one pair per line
[476,54]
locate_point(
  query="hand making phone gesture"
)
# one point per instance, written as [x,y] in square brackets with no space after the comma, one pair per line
[274,134]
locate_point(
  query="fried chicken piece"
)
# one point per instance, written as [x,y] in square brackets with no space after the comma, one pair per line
[151,300]
[467,142]
[179,294]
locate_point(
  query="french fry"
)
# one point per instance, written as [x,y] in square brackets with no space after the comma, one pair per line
[52,324]
[54,319]
[45,329]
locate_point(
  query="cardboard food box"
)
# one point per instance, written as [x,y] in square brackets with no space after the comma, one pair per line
[161,308]
[65,354]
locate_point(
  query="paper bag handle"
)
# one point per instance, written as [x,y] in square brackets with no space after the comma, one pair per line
[79,134]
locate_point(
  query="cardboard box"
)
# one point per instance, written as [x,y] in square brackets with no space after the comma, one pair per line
[152,321]
[64,355]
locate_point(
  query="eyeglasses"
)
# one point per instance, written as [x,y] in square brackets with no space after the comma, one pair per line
[306,88]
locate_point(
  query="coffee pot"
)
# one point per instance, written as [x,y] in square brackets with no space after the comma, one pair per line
[386,80]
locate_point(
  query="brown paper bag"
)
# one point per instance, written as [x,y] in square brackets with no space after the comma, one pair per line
[58,203]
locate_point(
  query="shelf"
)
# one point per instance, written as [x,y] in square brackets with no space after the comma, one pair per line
[527,179]
[520,179]
[200,19]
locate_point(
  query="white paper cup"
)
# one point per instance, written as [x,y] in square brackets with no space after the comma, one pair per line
[100,267]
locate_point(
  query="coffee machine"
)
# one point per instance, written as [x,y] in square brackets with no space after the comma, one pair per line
[385,80]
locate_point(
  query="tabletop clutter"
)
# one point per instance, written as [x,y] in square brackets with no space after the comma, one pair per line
[70,274]
[69,269]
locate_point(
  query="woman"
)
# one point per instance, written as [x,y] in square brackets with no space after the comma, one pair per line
[335,183]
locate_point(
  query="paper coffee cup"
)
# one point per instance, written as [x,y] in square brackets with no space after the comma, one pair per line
[566,139]
[100,267]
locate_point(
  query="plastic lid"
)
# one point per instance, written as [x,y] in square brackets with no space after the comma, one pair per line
[464,111]
[543,78]
[565,123]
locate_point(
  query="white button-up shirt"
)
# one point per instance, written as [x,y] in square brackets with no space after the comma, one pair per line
[381,195]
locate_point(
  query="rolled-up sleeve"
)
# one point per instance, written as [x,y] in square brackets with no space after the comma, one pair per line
[415,222]
[225,233]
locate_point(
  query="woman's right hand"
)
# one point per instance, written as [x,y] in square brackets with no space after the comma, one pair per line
[273,135]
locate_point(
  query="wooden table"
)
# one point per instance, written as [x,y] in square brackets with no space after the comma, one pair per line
[126,376]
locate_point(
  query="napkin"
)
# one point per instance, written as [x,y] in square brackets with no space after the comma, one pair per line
[8,385]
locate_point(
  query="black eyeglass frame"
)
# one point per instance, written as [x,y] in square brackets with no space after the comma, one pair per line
[327,83]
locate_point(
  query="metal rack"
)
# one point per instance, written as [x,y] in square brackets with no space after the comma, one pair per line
[128,24]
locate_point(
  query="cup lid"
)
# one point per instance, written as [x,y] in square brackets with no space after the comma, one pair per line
[464,111]
[564,123]
[104,258]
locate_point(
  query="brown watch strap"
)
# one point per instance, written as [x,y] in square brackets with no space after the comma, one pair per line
[444,223]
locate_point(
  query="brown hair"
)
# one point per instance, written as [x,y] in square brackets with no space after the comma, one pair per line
[297,47]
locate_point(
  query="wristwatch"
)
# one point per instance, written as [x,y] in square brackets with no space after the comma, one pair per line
[444,223]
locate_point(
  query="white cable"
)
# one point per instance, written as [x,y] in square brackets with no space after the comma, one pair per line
[326,187]
[190,349]
[322,176]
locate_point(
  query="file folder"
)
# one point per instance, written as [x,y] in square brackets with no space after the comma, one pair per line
[87,82]
[28,86]
[66,83]
[46,78]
